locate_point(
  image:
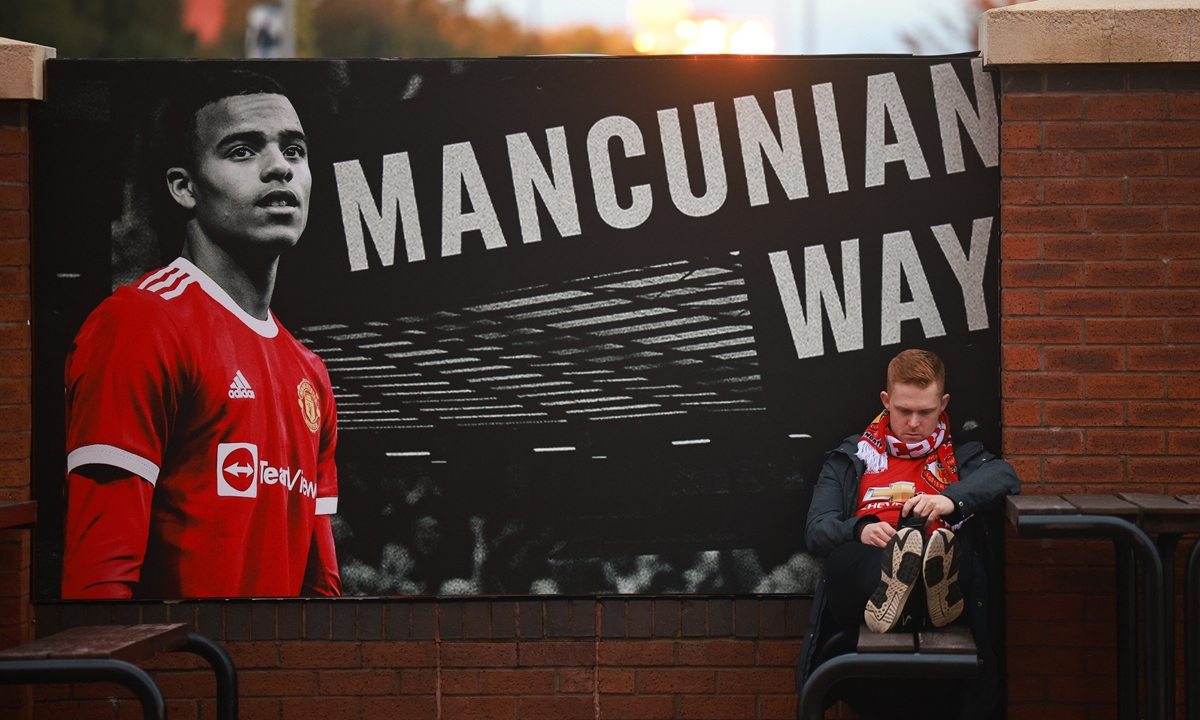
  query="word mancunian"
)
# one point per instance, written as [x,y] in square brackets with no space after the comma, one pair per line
[397,206]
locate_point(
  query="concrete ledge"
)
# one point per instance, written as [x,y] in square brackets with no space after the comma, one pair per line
[21,68]
[1051,32]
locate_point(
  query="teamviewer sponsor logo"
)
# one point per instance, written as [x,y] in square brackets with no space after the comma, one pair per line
[240,472]
[237,469]
[240,388]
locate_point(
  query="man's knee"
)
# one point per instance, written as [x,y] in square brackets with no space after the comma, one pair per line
[852,559]
[851,575]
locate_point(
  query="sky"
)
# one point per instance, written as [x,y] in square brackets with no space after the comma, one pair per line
[842,26]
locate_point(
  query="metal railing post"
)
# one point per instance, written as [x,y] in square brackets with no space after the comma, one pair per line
[222,665]
[1127,640]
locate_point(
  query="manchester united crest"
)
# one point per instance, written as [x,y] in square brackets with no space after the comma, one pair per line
[309,404]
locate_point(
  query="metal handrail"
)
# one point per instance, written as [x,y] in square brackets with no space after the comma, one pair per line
[222,665]
[1125,535]
[879,665]
[24,672]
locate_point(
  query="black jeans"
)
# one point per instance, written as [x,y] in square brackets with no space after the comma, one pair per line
[852,573]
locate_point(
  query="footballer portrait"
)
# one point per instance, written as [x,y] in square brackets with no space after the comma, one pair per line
[200,434]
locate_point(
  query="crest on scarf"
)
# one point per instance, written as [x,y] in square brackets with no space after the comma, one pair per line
[878,443]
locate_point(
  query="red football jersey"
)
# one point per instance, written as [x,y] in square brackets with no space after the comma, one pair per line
[883,494]
[229,425]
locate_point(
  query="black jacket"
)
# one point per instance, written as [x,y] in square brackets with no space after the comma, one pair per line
[984,481]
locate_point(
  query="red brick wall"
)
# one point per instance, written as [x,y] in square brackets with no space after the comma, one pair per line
[16,617]
[1101,332]
[717,658]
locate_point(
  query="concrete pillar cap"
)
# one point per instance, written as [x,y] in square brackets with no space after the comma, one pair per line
[1051,32]
[22,66]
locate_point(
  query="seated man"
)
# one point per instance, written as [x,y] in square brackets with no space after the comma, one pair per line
[898,504]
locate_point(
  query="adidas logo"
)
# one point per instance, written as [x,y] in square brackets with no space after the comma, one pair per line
[239,388]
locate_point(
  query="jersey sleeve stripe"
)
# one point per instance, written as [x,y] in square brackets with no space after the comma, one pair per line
[327,505]
[118,458]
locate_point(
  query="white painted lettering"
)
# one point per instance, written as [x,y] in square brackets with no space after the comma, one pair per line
[357,202]
[820,289]
[968,267]
[459,168]
[715,185]
[557,189]
[954,105]
[627,131]
[884,101]
[900,257]
[831,138]
[783,152]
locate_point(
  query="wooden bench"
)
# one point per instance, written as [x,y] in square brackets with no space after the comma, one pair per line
[954,639]
[948,652]
[108,653]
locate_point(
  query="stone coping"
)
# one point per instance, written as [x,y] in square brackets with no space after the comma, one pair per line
[1050,32]
[21,68]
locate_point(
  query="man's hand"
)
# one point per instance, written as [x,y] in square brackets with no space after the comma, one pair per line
[877,534]
[930,507]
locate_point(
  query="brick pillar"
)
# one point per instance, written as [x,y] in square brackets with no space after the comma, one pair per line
[15,364]
[1100,126]
[20,83]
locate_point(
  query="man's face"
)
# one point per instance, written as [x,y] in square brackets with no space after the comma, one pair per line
[251,182]
[913,411]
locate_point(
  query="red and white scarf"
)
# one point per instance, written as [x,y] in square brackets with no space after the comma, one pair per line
[878,442]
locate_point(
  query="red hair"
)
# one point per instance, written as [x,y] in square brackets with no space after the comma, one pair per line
[917,367]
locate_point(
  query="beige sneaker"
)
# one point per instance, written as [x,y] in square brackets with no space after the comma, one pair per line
[900,569]
[941,565]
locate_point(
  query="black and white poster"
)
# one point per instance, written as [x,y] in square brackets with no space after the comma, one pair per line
[588,325]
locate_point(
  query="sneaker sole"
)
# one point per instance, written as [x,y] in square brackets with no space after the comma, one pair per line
[901,567]
[943,594]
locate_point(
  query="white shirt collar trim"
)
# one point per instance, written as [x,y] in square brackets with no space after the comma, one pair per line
[267,328]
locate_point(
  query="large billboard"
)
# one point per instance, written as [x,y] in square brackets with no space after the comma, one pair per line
[584,325]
